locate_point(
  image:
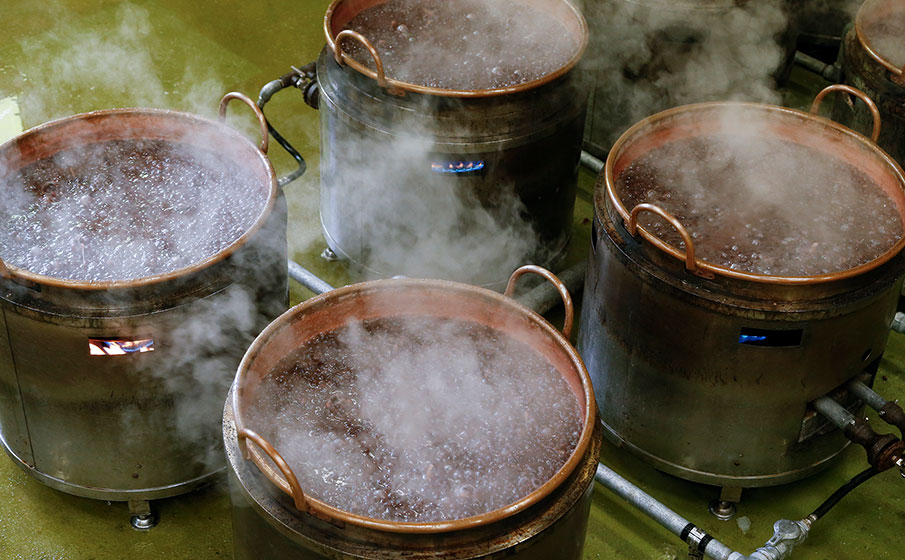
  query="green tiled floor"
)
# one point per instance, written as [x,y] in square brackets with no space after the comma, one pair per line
[67,56]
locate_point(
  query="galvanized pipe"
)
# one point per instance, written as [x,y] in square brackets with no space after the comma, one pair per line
[786,534]
[591,162]
[829,72]
[866,394]
[889,411]
[307,279]
[898,323]
[835,413]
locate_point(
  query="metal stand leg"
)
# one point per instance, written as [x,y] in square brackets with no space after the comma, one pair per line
[724,508]
[142,516]
[329,255]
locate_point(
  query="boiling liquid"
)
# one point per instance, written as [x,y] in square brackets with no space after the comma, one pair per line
[124,209]
[417,419]
[763,206]
[886,36]
[462,44]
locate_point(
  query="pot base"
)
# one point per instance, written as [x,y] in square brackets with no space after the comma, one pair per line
[716,479]
[112,494]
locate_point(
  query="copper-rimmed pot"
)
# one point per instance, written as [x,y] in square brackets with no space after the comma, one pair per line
[107,388]
[270,507]
[867,67]
[388,140]
[684,353]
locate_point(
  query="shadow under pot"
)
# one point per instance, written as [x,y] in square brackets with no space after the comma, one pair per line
[422,418]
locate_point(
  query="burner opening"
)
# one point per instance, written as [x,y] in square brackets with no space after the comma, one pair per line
[770,338]
[119,346]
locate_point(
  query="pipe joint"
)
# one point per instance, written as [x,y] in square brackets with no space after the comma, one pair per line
[786,536]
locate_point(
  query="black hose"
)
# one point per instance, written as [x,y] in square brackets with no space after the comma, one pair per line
[292,152]
[837,496]
[289,80]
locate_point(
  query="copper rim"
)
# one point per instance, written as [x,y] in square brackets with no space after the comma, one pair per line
[863,14]
[706,269]
[14,273]
[398,86]
[325,511]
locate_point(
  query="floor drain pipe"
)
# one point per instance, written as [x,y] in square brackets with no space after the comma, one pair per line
[786,534]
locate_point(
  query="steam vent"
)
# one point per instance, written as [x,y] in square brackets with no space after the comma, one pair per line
[459,279]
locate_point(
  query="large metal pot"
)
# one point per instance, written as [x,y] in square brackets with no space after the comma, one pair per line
[708,372]
[272,516]
[108,389]
[868,68]
[398,161]
[650,55]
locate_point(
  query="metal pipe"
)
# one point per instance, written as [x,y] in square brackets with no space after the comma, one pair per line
[591,162]
[898,323]
[867,395]
[786,534]
[307,279]
[545,296]
[829,72]
[835,413]
[889,411]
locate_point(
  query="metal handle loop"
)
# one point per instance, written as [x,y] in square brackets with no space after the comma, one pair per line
[874,111]
[297,495]
[553,279]
[691,264]
[5,272]
[338,53]
[265,136]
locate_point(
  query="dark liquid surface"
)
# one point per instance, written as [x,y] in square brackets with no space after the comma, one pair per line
[125,209]
[763,206]
[462,44]
[417,419]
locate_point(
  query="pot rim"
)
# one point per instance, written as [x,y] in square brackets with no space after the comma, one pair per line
[863,14]
[708,270]
[323,510]
[399,87]
[16,273]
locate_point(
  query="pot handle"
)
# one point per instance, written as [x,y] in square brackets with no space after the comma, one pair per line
[265,136]
[5,272]
[875,113]
[552,278]
[691,264]
[296,490]
[339,55]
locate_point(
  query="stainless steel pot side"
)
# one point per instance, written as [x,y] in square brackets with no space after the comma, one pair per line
[661,331]
[274,518]
[868,69]
[525,137]
[113,427]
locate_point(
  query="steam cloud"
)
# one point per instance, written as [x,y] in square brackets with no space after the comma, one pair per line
[648,56]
